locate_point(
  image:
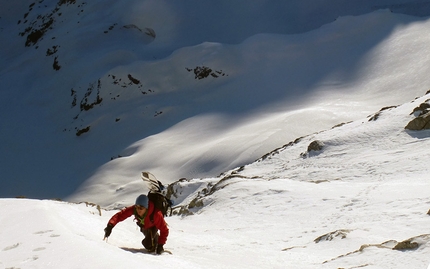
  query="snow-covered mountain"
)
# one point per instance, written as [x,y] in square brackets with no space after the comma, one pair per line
[354,196]
[189,89]
[285,119]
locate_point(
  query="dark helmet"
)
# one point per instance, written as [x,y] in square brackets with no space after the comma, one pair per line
[142,200]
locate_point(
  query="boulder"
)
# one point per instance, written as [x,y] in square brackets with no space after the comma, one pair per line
[419,123]
[315,146]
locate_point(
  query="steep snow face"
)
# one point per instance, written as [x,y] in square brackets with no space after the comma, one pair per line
[86,83]
[275,88]
[197,89]
[360,200]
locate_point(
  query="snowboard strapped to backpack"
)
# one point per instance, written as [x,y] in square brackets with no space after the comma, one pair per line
[157,195]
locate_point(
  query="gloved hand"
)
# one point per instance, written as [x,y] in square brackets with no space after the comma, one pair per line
[108,230]
[160,249]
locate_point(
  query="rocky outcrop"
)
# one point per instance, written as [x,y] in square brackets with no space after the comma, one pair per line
[332,235]
[201,72]
[315,146]
[377,114]
[410,244]
[419,123]
[422,120]
[313,149]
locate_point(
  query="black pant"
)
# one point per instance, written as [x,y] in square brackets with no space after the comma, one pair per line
[151,238]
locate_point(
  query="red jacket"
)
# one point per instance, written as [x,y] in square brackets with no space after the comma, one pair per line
[159,221]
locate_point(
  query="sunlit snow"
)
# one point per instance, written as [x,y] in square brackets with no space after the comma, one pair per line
[113,89]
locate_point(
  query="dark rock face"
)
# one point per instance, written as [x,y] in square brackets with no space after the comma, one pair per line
[422,120]
[315,146]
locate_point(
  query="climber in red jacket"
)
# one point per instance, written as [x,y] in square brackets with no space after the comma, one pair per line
[149,219]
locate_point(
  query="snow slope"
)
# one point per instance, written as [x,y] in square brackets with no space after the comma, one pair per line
[291,71]
[348,205]
[284,87]
[276,69]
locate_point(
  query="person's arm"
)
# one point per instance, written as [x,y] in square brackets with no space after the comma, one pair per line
[122,215]
[161,225]
[118,217]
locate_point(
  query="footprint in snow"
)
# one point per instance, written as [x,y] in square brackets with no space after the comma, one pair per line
[44,232]
[11,247]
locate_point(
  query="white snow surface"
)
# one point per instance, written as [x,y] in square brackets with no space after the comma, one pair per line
[279,87]
[346,206]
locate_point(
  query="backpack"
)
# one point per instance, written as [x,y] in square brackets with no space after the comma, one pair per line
[157,195]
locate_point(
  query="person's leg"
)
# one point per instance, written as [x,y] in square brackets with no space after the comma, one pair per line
[151,238]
